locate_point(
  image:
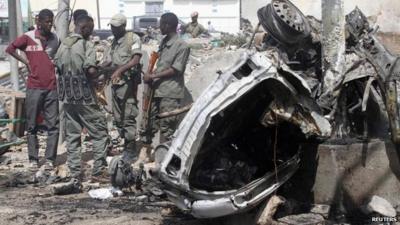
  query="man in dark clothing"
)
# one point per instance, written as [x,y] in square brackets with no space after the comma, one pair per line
[40,46]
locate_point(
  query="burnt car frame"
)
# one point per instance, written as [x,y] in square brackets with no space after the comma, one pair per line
[242,122]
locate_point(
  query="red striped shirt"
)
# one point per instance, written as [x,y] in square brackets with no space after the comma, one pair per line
[40,52]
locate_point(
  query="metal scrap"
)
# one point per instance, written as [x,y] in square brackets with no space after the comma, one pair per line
[277,113]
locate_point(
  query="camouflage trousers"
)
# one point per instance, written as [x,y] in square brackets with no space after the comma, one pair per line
[168,125]
[77,117]
[125,111]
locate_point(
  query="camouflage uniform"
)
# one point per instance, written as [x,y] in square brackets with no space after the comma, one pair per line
[73,58]
[195,29]
[124,103]
[169,91]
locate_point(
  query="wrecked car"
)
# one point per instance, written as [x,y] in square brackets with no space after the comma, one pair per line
[383,83]
[241,139]
[362,103]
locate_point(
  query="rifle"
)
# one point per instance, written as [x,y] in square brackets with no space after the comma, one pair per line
[147,98]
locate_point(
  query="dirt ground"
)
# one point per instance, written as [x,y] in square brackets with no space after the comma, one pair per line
[22,203]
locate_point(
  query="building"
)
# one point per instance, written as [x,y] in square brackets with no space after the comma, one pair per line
[223,14]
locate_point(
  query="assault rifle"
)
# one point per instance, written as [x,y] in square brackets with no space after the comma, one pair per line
[147,99]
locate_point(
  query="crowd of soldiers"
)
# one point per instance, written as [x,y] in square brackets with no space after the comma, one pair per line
[66,72]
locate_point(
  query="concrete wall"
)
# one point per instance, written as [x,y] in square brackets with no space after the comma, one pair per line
[347,175]
[385,12]
[352,174]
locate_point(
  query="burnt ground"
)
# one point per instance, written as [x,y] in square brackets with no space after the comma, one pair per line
[34,205]
[25,203]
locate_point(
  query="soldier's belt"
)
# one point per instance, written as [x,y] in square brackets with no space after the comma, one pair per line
[74,88]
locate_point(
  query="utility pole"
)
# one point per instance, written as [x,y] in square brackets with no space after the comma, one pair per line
[333,66]
[13,33]
[20,28]
[240,14]
[62,19]
[31,21]
[98,14]
[62,29]
[333,50]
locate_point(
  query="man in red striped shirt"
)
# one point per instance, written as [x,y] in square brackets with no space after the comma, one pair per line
[40,46]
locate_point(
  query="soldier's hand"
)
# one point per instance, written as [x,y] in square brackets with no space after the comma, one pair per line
[115,77]
[101,80]
[147,78]
[92,72]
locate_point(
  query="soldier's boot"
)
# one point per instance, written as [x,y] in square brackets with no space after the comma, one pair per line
[130,153]
[103,177]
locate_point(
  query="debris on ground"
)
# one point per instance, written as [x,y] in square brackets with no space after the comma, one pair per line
[267,213]
[5,160]
[381,206]
[237,40]
[8,139]
[87,186]
[105,193]
[246,26]
[320,209]
[41,176]
[141,198]
[18,179]
[303,219]
[73,186]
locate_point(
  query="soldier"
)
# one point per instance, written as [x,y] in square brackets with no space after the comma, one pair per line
[194,28]
[40,45]
[76,62]
[167,80]
[210,27]
[77,13]
[124,59]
